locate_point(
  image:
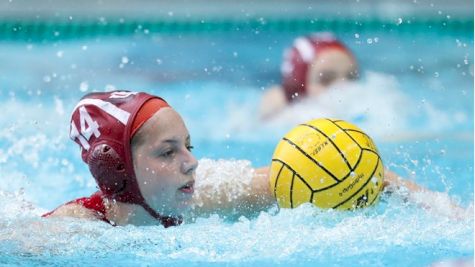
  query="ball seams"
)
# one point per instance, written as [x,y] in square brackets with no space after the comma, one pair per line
[310,158]
[361,188]
[331,141]
[277,178]
[293,171]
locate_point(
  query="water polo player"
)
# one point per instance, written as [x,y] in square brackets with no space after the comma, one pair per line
[310,66]
[138,150]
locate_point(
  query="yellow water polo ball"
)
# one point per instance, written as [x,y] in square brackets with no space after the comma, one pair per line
[330,163]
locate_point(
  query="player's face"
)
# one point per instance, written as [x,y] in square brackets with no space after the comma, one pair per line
[329,67]
[163,163]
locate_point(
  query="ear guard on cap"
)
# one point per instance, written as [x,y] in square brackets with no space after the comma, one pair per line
[111,176]
[108,169]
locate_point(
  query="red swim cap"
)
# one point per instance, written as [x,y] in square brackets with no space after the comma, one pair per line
[298,58]
[103,125]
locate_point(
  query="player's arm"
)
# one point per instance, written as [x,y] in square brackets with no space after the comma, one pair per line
[272,102]
[261,193]
[73,210]
[251,197]
[392,181]
[435,201]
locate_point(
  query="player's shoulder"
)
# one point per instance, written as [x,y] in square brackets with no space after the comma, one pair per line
[73,210]
[273,100]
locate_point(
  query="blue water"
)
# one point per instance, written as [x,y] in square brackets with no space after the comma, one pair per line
[415,98]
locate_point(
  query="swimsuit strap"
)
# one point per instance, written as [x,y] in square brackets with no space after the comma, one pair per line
[94,203]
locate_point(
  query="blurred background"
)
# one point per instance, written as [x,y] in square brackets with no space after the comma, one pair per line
[144,9]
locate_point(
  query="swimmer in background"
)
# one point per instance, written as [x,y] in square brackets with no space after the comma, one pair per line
[138,150]
[310,66]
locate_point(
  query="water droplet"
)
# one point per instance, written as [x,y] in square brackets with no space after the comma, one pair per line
[109,88]
[83,86]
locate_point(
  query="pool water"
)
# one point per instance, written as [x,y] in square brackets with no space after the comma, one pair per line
[415,98]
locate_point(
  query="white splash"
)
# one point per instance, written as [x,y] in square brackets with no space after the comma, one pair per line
[376,104]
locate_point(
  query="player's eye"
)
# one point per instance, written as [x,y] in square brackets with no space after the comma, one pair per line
[353,75]
[326,78]
[167,153]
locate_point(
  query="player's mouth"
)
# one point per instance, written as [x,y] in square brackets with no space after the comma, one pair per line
[188,188]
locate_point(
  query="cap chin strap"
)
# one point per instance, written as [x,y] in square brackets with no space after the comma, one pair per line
[166,221]
[134,196]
